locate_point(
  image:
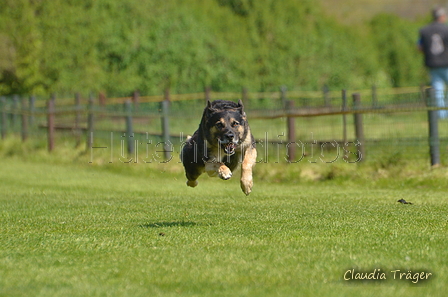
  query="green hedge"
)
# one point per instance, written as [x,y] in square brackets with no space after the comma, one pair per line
[118,46]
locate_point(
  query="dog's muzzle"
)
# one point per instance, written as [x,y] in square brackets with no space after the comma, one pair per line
[229,145]
[229,148]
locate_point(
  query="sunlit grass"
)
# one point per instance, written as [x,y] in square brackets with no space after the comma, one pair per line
[74,228]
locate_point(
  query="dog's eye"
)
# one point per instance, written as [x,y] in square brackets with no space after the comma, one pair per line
[235,124]
[219,125]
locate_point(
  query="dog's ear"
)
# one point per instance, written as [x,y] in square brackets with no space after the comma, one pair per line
[209,106]
[241,107]
[209,109]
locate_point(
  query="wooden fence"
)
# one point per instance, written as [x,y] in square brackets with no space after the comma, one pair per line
[21,112]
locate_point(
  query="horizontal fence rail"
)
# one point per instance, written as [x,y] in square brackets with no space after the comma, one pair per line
[84,115]
[244,94]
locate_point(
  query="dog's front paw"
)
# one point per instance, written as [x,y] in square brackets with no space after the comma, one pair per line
[224,172]
[246,185]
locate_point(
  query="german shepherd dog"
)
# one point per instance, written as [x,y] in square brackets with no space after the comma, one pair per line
[222,141]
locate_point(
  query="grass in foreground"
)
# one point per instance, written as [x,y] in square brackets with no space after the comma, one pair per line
[80,230]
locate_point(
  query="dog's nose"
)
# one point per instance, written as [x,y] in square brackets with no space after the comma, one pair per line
[230,135]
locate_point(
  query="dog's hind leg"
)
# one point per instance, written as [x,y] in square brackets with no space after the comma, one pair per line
[192,183]
[193,169]
[192,179]
[249,160]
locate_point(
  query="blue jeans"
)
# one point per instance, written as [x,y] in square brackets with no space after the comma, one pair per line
[439,79]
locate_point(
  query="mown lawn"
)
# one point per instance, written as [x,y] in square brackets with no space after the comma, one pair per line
[74,229]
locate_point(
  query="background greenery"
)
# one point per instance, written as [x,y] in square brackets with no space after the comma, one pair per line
[62,46]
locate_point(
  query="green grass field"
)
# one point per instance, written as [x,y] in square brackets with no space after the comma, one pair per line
[70,228]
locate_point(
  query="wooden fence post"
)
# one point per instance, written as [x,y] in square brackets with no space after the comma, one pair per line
[90,123]
[433,117]
[77,130]
[344,117]
[165,105]
[129,128]
[291,132]
[24,120]
[102,99]
[14,112]
[3,119]
[31,110]
[136,100]
[50,122]
[359,128]
[102,104]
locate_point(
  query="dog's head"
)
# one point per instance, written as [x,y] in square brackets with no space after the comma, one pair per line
[224,124]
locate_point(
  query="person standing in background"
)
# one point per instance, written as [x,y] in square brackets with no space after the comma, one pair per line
[433,42]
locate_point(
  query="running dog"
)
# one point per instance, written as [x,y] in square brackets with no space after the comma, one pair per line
[222,141]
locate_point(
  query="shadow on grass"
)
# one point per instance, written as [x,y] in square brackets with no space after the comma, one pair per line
[169,224]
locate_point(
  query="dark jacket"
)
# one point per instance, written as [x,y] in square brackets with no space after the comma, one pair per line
[434,43]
